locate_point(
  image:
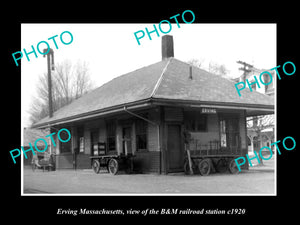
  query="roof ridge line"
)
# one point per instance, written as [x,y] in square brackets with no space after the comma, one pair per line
[159,79]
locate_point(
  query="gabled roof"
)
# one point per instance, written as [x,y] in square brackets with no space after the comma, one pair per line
[204,87]
[165,80]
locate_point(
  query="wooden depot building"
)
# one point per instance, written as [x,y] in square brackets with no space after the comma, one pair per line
[147,113]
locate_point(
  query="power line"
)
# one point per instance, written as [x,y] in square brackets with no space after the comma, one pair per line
[247,68]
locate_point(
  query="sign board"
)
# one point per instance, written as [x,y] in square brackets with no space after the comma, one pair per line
[208,110]
[81,144]
[102,148]
[95,149]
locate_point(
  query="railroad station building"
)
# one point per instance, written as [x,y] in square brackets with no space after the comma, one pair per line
[149,111]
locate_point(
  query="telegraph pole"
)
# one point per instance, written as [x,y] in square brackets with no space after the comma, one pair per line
[50,61]
[247,68]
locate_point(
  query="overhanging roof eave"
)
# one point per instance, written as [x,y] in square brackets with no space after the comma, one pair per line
[90,115]
[257,108]
[228,105]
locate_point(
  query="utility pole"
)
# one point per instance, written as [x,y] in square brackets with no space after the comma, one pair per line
[247,68]
[50,61]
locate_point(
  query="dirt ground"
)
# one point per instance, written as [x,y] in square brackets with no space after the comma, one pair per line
[257,180]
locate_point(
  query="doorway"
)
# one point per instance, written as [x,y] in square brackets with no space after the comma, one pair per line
[175,150]
[229,133]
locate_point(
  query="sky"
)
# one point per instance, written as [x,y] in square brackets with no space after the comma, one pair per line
[111,50]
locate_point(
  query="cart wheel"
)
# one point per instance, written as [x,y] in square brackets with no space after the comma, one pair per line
[204,167]
[233,167]
[113,166]
[96,166]
[186,167]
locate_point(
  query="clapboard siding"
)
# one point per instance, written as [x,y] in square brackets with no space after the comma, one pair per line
[152,137]
[154,115]
[146,162]
[173,114]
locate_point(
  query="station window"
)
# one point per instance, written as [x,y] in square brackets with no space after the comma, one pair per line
[111,135]
[229,132]
[196,123]
[80,134]
[141,134]
[223,133]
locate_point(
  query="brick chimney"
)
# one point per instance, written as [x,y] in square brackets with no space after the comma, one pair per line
[167,48]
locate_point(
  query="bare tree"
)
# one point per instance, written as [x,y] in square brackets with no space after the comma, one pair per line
[196,62]
[69,82]
[217,69]
[83,85]
[38,109]
[213,67]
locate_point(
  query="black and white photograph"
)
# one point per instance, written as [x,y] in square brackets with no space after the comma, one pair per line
[163,117]
[170,113]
